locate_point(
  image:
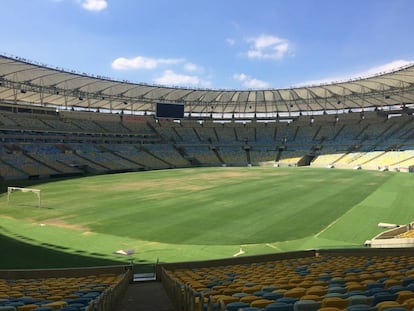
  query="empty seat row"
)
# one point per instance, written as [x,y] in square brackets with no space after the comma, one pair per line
[65,293]
[316,282]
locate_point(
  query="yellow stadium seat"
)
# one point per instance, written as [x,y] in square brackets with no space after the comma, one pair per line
[296,292]
[384,305]
[27,307]
[261,303]
[249,298]
[335,302]
[56,304]
[404,295]
[409,303]
[316,290]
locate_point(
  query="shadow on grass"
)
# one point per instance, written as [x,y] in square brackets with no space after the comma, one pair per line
[25,253]
[20,255]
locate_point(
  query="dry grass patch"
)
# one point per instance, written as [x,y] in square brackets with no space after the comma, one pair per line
[58,222]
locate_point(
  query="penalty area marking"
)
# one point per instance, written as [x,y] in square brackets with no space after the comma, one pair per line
[272,246]
[334,222]
[241,252]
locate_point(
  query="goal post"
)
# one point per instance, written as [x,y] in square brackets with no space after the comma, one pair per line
[37,192]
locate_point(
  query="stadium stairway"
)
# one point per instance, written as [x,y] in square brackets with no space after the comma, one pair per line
[157,157]
[145,296]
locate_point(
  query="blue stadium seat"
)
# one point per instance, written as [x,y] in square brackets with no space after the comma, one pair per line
[279,306]
[306,305]
[361,307]
[235,306]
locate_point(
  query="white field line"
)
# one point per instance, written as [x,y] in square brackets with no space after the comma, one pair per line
[334,222]
[272,246]
[241,252]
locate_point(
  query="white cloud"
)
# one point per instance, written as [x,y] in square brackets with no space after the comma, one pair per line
[169,77]
[386,67]
[191,67]
[94,5]
[230,41]
[369,72]
[250,82]
[267,47]
[141,62]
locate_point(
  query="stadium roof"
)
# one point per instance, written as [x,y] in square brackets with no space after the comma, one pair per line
[22,81]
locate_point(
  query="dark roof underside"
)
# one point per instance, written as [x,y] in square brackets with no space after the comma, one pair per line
[25,82]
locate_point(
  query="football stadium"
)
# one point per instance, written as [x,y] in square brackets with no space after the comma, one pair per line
[219,183]
[231,199]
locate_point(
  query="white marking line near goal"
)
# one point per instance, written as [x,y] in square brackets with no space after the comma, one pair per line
[241,252]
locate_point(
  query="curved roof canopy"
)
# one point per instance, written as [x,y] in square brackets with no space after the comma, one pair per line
[37,84]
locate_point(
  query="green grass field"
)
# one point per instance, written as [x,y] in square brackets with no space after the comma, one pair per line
[206,213]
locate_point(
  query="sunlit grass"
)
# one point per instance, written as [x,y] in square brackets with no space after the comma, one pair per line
[194,214]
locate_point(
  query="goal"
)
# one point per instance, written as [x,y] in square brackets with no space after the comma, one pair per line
[37,192]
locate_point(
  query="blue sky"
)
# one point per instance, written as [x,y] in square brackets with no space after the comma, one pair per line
[220,44]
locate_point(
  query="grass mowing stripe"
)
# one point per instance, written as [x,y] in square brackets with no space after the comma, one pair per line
[191,214]
[380,205]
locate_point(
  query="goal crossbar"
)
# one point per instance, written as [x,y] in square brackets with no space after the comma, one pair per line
[37,192]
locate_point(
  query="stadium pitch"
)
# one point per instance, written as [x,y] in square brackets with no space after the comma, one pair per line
[207,213]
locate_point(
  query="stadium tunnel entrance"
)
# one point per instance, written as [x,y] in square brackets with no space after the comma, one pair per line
[306,160]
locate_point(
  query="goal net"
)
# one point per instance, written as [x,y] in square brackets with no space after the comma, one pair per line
[37,192]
